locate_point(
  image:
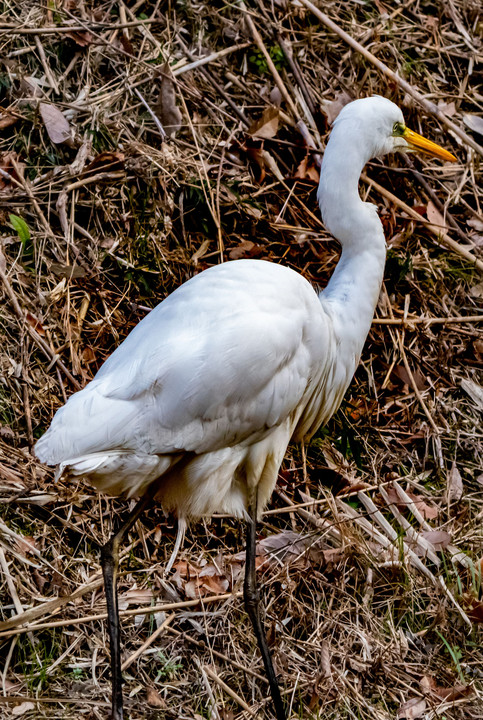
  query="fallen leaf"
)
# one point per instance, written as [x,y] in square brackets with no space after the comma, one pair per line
[126,43]
[23,708]
[35,323]
[165,108]
[82,38]
[430,687]
[448,108]
[474,609]
[267,125]
[83,153]
[40,499]
[412,709]
[429,512]
[276,96]
[68,271]
[6,119]
[31,86]
[454,485]
[242,250]
[56,124]
[39,580]
[474,122]
[137,596]
[420,209]
[476,224]
[256,155]
[106,162]
[332,108]
[285,546]
[477,290]
[61,207]
[272,165]
[400,372]
[307,170]
[6,432]
[26,544]
[154,699]
[20,227]
[226,714]
[214,585]
[200,581]
[434,216]
[439,539]
[478,348]
[333,555]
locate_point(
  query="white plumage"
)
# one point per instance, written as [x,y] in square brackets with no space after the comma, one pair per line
[198,404]
[206,392]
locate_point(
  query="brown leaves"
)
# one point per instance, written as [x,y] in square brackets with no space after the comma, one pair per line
[449,694]
[35,323]
[106,162]
[246,248]
[307,170]
[267,125]
[82,38]
[439,539]
[24,707]
[434,693]
[262,129]
[56,124]
[199,582]
[67,271]
[434,216]
[412,709]
[285,546]
[333,108]
[7,119]
[428,511]
[219,577]
[136,596]
[154,699]
[400,373]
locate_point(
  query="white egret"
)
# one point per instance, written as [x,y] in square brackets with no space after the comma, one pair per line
[198,404]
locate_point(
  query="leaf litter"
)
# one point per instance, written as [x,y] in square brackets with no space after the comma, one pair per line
[116,218]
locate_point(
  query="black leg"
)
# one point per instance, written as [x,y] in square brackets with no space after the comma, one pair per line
[110,564]
[251,597]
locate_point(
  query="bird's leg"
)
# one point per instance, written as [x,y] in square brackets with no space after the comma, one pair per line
[252,599]
[110,564]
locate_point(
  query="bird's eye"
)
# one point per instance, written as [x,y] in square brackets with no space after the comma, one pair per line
[397,129]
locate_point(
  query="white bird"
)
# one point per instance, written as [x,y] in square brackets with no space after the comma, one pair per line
[198,404]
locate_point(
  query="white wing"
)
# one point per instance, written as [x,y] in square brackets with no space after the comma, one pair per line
[221,361]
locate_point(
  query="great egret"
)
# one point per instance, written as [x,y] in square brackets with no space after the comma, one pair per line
[198,404]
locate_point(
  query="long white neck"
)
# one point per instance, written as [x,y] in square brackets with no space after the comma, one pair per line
[351,295]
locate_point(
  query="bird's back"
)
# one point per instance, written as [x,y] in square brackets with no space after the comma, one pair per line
[214,369]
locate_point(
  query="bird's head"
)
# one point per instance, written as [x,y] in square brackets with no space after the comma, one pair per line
[379,124]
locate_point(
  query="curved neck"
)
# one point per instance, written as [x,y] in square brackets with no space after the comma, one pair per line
[351,295]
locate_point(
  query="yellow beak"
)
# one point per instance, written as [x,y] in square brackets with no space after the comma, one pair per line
[418,142]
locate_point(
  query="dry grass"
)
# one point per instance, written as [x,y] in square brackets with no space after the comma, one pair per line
[358,619]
